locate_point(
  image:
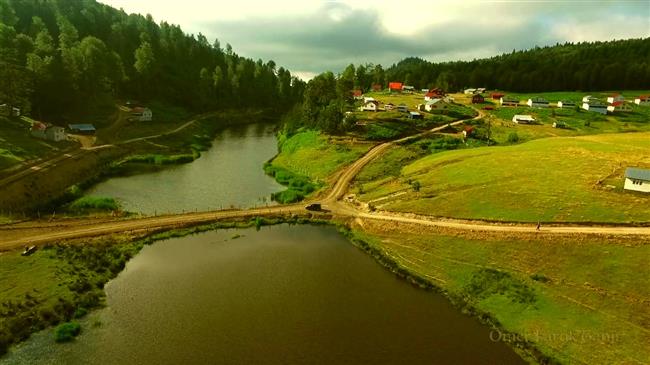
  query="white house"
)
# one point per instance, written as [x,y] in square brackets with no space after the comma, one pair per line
[619,106]
[523,119]
[8,111]
[435,105]
[614,98]
[480,90]
[509,101]
[586,99]
[408,89]
[370,106]
[537,102]
[566,104]
[470,91]
[367,99]
[48,132]
[141,114]
[642,100]
[594,106]
[637,179]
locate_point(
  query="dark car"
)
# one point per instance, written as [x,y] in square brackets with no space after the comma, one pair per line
[314,207]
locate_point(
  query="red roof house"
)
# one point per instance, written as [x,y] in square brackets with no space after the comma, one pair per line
[357,93]
[395,86]
[497,96]
[478,99]
[376,87]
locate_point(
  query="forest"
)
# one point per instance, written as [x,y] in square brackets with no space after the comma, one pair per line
[60,57]
[612,65]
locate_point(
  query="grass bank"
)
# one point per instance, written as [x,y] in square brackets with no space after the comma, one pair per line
[307,158]
[577,179]
[535,291]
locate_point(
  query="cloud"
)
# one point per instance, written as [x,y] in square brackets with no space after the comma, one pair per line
[309,37]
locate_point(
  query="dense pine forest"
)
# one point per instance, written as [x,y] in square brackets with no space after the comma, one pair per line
[59,57]
[614,65]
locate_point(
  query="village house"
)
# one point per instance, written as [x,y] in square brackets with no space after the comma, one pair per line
[588,98]
[566,104]
[402,108]
[376,87]
[593,105]
[480,90]
[613,98]
[435,105]
[470,91]
[370,105]
[509,101]
[478,99]
[523,119]
[7,111]
[389,106]
[141,114]
[637,179]
[357,94]
[619,106]
[468,131]
[408,89]
[395,87]
[48,132]
[537,102]
[434,94]
[82,128]
[642,100]
[415,115]
[497,96]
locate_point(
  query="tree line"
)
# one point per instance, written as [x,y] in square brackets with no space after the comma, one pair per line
[612,65]
[58,57]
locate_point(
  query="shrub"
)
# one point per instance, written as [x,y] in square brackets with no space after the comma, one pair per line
[87,203]
[67,332]
[513,137]
[488,282]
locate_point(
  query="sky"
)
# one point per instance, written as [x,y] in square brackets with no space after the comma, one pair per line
[309,37]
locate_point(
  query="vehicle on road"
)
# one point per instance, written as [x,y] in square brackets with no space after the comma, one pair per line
[314,207]
[29,250]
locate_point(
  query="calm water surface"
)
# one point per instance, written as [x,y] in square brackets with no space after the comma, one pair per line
[229,174]
[281,295]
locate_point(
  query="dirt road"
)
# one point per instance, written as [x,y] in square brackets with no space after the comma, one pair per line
[15,236]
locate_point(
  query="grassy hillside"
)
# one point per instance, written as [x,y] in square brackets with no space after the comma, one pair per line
[576,179]
[576,299]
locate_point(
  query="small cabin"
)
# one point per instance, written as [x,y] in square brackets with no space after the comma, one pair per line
[560,125]
[642,100]
[470,91]
[415,115]
[478,99]
[402,108]
[497,96]
[480,90]
[88,129]
[594,106]
[141,114]
[523,119]
[637,179]
[435,105]
[613,98]
[509,101]
[566,104]
[619,106]
[537,102]
[389,106]
[48,132]
[370,105]
[357,94]
[408,89]
[395,86]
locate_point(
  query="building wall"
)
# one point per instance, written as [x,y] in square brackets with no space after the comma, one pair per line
[630,185]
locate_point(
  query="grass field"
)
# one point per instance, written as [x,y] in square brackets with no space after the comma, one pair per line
[579,300]
[316,155]
[576,179]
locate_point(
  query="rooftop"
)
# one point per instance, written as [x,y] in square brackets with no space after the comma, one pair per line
[637,173]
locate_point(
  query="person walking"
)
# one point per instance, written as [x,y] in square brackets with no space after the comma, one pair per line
[539,225]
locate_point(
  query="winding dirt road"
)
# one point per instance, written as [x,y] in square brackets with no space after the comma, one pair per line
[15,236]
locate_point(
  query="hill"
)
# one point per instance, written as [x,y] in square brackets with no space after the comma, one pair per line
[562,179]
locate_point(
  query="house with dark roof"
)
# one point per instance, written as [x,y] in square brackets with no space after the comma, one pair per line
[619,106]
[613,98]
[537,102]
[566,104]
[478,99]
[82,128]
[403,108]
[509,101]
[637,179]
[594,105]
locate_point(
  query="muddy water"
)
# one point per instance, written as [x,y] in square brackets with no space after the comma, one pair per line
[229,174]
[281,295]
